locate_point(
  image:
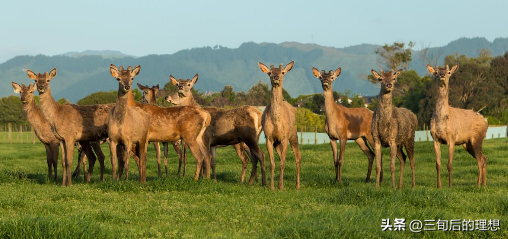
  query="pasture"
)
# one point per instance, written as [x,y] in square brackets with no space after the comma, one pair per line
[32,206]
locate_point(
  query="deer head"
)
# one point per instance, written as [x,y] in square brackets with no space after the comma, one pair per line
[442,74]
[184,86]
[42,80]
[149,93]
[326,78]
[26,92]
[124,77]
[387,79]
[173,99]
[276,74]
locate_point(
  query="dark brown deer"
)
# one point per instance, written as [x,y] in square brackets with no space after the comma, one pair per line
[239,127]
[392,127]
[72,123]
[174,123]
[453,126]
[150,97]
[343,123]
[279,124]
[128,125]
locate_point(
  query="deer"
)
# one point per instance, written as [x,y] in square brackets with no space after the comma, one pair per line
[343,124]
[392,127]
[239,127]
[72,123]
[171,124]
[150,97]
[454,126]
[128,125]
[279,124]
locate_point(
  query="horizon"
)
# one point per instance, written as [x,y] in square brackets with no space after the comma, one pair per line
[166,27]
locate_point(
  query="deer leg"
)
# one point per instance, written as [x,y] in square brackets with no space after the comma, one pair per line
[69,151]
[199,158]
[293,141]
[282,150]
[96,146]
[49,160]
[179,152]
[402,161]
[158,155]
[269,147]
[410,147]
[333,144]
[342,143]
[258,156]
[85,145]
[451,150]
[125,159]
[166,152]
[113,155]
[143,151]
[213,152]
[184,155]
[393,154]
[437,151]
[370,156]
[121,159]
[54,157]
[81,154]
[241,153]
[377,152]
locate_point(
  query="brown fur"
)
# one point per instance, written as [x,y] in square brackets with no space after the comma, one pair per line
[72,123]
[279,124]
[128,125]
[183,122]
[453,126]
[240,127]
[392,127]
[343,123]
[150,97]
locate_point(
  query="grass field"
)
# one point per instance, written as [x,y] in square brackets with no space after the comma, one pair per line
[33,207]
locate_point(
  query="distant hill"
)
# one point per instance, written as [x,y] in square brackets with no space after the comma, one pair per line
[80,74]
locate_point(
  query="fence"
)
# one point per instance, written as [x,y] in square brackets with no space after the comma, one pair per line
[11,133]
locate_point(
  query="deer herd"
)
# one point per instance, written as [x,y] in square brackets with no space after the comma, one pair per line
[128,126]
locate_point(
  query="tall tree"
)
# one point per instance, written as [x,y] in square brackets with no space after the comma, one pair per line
[395,56]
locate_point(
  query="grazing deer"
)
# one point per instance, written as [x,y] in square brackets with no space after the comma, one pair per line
[279,124]
[239,127]
[171,124]
[72,123]
[128,125]
[150,97]
[343,123]
[392,127]
[453,126]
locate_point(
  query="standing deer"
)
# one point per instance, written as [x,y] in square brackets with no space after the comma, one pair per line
[171,124]
[72,123]
[453,126]
[343,123]
[279,124]
[392,127]
[128,125]
[240,127]
[150,97]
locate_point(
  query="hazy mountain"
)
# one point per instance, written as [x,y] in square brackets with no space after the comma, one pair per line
[80,74]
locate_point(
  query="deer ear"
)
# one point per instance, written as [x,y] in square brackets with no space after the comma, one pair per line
[141,87]
[263,68]
[173,80]
[52,73]
[16,86]
[135,71]
[156,86]
[397,73]
[337,72]
[316,72]
[454,68]
[289,66]
[194,79]
[31,74]
[32,87]
[430,69]
[375,74]
[113,70]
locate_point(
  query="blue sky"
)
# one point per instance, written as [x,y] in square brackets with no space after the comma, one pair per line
[163,27]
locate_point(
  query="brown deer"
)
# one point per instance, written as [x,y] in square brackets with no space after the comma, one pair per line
[279,124]
[150,97]
[171,124]
[392,127]
[343,123]
[72,123]
[128,125]
[239,127]
[453,126]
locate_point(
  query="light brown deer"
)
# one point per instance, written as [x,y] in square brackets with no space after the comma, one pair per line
[279,124]
[392,127]
[171,124]
[343,123]
[72,123]
[453,126]
[239,127]
[128,125]
[150,97]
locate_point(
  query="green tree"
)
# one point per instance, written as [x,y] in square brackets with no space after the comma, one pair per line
[395,56]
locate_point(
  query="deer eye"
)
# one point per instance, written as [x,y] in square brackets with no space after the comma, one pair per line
[449,72]
[47,81]
[188,84]
[269,73]
[283,72]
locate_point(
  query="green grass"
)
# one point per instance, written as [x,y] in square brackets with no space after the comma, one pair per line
[33,207]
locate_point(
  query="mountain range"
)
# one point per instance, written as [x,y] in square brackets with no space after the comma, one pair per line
[82,73]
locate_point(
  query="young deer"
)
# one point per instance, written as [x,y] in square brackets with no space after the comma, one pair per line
[343,123]
[240,127]
[453,126]
[150,97]
[279,124]
[72,123]
[392,127]
[174,123]
[128,125]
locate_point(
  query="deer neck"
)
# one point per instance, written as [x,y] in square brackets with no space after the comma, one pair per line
[276,103]
[49,106]
[330,106]
[33,112]
[442,105]
[124,100]
[187,100]
[385,105]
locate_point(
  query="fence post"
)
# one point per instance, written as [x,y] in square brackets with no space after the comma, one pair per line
[9,125]
[315,135]
[426,131]
[21,133]
[301,135]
